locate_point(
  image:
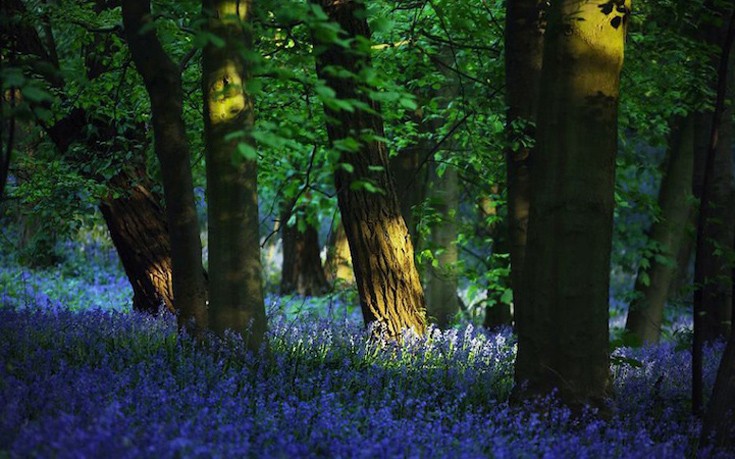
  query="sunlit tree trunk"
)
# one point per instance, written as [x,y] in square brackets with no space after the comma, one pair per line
[163,84]
[441,279]
[523,58]
[667,233]
[338,266]
[236,290]
[563,334]
[391,295]
[301,271]
[137,226]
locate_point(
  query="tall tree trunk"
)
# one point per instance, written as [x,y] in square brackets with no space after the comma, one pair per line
[563,333]
[163,84]
[441,279]
[302,270]
[523,59]
[705,191]
[712,266]
[667,233]
[388,283]
[236,286]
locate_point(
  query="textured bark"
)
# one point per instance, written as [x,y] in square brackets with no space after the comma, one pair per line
[563,333]
[441,280]
[163,84]
[646,311]
[136,223]
[302,270]
[523,59]
[387,280]
[236,286]
[339,259]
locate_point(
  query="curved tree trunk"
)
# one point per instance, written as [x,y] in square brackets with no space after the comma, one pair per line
[646,311]
[235,279]
[137,227]
[523,59]
[391,295]
[563,332]
[163,83]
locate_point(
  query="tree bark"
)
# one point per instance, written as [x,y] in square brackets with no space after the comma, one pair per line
[523,59]
[712,263]
[391,296]
[705,191]
[302,271]
[339,260]
[652,286]
[441,279]
[163,84]
[563,333]
[236,286]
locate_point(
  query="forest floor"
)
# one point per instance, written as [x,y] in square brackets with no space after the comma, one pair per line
[83,376]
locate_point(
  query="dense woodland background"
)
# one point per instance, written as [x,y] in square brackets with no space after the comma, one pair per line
[368,220]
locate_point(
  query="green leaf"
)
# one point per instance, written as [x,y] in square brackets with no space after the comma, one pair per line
[247,151]
[357,185]
[35,94]
[507,297]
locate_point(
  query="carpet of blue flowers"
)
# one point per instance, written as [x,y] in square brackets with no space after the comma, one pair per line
[82,376]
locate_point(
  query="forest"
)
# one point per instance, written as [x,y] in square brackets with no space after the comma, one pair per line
[351,228]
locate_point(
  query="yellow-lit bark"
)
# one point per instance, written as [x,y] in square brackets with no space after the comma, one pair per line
[236,291]
[563,332]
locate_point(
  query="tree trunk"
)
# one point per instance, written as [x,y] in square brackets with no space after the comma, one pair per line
[410,179]
[497,312]
[718,425]
[667,233]
[163,83]
[388,283]
[441,279]
[302,270]
[339,260]
[704,325]
[236,286]
[712,266]
[523,59]
[137,227]
[563,333]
